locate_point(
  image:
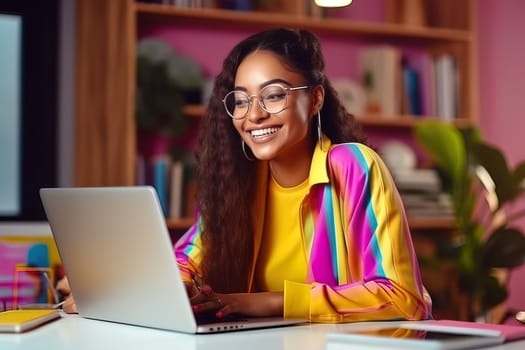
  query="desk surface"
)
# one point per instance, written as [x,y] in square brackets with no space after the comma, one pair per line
[74,332]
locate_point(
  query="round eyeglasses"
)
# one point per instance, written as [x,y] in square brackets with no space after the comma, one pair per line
[271,98]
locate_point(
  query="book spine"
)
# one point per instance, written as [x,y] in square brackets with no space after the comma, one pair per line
[412,90]
[176,190]
[446,88]
[160,182]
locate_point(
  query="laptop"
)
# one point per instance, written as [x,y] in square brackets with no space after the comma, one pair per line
[119,259]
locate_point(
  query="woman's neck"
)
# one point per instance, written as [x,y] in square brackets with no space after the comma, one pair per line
[293,169]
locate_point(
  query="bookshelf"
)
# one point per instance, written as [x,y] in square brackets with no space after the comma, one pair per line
[107,34]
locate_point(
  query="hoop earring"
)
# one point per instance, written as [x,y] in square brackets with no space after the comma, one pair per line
[319,132]
[251,159]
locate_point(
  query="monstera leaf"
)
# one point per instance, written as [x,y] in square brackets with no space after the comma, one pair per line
[508,182]
[505,248]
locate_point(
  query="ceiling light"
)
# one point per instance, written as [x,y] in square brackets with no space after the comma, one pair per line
[333,3]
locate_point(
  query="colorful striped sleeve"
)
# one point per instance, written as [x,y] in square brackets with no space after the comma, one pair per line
[188,253]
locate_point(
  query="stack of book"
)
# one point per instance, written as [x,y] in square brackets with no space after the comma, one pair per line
[422,194]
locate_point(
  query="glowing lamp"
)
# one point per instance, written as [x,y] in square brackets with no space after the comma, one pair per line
[333,3]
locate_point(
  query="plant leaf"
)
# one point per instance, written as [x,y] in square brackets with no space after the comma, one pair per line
[494,293]
[445,145]
[518,177]
[504,248]
[493,160]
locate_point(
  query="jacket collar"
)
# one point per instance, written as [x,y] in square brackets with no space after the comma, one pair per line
[319,165]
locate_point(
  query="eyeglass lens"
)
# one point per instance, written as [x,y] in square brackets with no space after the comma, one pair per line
[271,98]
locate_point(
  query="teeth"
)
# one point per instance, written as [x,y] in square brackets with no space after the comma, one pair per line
[264,132]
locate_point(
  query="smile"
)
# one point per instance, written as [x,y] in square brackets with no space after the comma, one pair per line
[263,132]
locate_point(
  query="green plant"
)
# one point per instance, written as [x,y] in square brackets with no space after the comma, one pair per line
[482,187]
[165,82]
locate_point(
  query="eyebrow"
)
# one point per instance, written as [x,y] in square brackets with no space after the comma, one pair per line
[266,83]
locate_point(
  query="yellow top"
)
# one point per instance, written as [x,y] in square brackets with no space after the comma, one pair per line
[283,251]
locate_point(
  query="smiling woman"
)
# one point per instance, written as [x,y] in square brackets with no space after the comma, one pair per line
[310,224]
[297,215]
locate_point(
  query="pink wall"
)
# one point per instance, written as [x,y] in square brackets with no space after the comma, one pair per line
[502,75]
[501,26]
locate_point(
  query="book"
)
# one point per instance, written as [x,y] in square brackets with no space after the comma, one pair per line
[422,63]
[17,321]
[415,335]
[446,82]
[140,170]
[190,187]
[380,74]
[412,90]
[417,179]
[508,332]
[161,168]
[176,210]
[182,186]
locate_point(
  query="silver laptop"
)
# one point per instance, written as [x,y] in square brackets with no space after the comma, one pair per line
[120,263]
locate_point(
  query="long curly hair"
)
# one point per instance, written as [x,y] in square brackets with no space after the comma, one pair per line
[226,178]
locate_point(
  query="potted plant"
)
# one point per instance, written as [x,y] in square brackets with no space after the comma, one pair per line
[166,81]
[482,188]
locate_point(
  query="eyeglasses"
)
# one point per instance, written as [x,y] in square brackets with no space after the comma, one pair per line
[272,98]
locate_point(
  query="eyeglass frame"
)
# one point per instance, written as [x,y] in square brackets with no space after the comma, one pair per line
[287,89]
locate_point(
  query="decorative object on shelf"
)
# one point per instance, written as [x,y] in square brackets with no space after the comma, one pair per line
[380,71]
[482,188]
[398,155]
[333,3]
[352,96]
[166,81]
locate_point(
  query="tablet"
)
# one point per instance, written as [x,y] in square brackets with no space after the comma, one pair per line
[419,336]
[17,321]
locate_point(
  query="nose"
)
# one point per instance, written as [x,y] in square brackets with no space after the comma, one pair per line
[256,112]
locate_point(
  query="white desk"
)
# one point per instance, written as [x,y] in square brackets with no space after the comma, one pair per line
[74,332]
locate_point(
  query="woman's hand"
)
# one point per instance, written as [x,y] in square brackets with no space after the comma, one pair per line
[251,304]
[69,305]
[204,300]
[248,304]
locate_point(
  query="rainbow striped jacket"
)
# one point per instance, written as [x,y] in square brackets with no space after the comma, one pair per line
[362,265]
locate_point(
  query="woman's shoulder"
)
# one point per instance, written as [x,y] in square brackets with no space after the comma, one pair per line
[343,152]
[355,159]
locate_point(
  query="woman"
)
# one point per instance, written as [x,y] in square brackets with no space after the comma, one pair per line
[297,216]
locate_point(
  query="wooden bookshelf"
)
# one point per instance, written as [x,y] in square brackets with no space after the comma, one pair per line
[106,140]
[148,13]
[432,223]
[398,121]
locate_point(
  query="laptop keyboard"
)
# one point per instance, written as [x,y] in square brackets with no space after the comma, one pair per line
[207,318]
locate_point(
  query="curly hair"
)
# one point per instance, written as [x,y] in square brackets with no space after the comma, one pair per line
[226,178]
